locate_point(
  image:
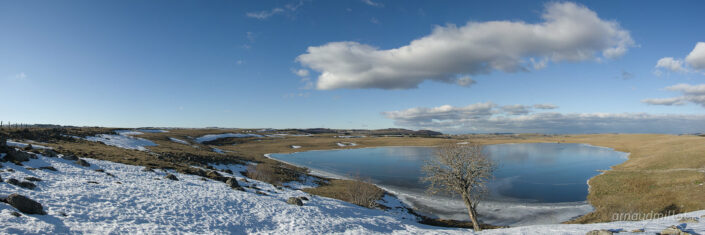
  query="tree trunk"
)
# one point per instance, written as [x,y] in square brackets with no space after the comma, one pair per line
[471,212]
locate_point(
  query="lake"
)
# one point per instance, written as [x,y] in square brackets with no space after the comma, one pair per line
[535,183]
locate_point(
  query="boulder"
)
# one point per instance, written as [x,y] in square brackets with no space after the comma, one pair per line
[82,162]
[214,175]
[232,182]
[641,230]
[69,157]
[228,171]
[303,198]
[171,177]
[28,147]
[31,178]
[50,153]
[51,168]
[295,201]
[23,184]
[599,232]
[24,204]
[17,156]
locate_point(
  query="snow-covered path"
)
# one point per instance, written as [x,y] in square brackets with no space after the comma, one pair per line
[133,201]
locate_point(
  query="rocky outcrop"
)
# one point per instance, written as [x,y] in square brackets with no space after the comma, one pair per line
[171,177]
[599,232]
[82,162]
[23,184]
[14,155]
[24,204]
[69,157]
[232,182]
[295,201]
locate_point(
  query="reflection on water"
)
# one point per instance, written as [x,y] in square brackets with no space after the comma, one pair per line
[545,179]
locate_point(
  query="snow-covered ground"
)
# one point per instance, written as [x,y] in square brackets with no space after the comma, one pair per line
[132,201]
[122,140]
[22,145]
[227,135]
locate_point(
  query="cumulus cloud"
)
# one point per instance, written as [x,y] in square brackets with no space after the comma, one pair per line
[485,118]
[568,32]
[671,64]
[263,15]
[696,58]
[689,93]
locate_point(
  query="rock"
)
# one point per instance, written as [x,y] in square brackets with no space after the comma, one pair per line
[31,178]
[83,163]
[295,201]
[17,156]
[228,171]
[0,178]
[214,175]
[23,184]
[24,204]
[232,182]
[303,198]
[673,230]
[69,157]
[261,193]
[92,182]
[14,213]
[51,168]
[148,169]
[50,153]
[599,232]
[641,230]
[171,177]
[99,170]
[28,147]
[689,220]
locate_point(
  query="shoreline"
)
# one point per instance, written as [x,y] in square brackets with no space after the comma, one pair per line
[586,202]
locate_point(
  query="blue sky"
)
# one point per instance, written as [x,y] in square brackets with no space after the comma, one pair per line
[233,64]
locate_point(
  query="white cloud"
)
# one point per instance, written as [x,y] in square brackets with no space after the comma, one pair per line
[689,93]
[374,4]
[545,106]
[671,64]
[484,118]
[301,72]
[569,32]
[263,15]
[696,58]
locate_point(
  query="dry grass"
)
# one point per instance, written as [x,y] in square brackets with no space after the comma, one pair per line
[358,192]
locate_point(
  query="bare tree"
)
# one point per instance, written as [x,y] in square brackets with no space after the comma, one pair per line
[462,170]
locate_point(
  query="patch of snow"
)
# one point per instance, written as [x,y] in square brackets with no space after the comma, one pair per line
[22,145]
[212,137]
[295,146]
[179,141]
[128,132]
[122,141]
[152,131]
[349,136]
[217,150]
[463,142]
[346,144]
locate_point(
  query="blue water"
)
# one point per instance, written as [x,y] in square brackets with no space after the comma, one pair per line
[527,173]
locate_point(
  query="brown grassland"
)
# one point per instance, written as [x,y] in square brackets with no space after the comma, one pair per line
[663,172]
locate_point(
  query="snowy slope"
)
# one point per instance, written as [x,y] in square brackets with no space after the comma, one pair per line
[212,137]
[145,202]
